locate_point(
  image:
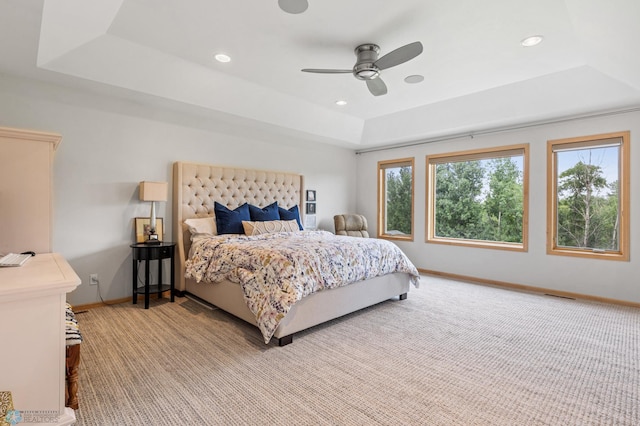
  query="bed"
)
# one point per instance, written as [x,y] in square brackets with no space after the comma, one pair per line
[196,189]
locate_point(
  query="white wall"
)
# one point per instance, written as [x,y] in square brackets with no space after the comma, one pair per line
[608,279]
[109,145]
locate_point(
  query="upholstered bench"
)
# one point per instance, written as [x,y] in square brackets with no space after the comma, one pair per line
[73,340]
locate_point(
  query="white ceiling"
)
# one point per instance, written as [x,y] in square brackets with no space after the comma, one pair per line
[477,75]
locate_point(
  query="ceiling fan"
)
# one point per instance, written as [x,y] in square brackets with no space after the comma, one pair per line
[368,65]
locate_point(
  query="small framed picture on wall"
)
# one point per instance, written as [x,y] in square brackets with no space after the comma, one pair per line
[143,228]
[311,208]
[311,195]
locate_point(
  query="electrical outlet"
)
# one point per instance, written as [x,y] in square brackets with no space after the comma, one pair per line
[93,279]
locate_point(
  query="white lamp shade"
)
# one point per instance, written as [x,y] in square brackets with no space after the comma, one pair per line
[153,191]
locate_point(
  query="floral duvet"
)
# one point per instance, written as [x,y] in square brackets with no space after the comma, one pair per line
[276,270]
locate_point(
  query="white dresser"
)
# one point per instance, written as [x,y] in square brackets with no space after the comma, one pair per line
[33,296]
[32,332]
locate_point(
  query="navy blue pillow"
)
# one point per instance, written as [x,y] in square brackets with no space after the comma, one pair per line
[263,214]
[292,213]
[230,221]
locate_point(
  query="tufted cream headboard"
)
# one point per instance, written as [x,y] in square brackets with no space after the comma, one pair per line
[197,186]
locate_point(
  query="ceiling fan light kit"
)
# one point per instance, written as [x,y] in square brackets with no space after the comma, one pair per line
[368,65]
[365,68]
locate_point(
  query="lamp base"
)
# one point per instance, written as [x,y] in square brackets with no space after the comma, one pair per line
[153,239]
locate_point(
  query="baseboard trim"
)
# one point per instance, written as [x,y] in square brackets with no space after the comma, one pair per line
[566,294]
[77,308]
[457,277]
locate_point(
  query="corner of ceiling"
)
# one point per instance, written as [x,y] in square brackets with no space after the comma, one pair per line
[59,34]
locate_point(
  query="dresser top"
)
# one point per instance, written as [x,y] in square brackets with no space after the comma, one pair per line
[43,274]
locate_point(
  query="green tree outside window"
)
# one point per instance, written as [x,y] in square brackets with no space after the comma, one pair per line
[478,197]
[395,195]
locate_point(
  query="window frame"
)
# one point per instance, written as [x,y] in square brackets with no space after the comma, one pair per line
[468,155]
[382,199]
[622,254]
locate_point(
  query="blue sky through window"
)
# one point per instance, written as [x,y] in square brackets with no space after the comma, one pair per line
[607,158]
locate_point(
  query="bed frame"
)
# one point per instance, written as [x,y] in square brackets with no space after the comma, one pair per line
[195,189]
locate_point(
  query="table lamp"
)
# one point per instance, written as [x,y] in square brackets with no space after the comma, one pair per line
[153,191]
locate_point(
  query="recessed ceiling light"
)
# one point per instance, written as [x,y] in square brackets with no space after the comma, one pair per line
[531,41]
[221,57]
[341,102]
[413,79]
[293,6]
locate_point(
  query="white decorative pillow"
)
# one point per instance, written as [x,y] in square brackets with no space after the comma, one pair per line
[201,227]
[270,226]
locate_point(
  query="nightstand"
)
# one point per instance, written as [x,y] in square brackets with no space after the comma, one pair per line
[148,252]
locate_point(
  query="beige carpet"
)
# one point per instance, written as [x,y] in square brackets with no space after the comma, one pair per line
[451,354]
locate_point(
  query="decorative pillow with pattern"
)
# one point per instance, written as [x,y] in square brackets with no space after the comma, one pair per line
[270,226]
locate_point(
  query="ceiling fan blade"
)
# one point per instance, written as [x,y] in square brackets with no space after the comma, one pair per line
[323,71]
[377,87]
[400,55]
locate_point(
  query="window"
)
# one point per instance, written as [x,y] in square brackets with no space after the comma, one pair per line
[395,199]
[588,196]
[479,198]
